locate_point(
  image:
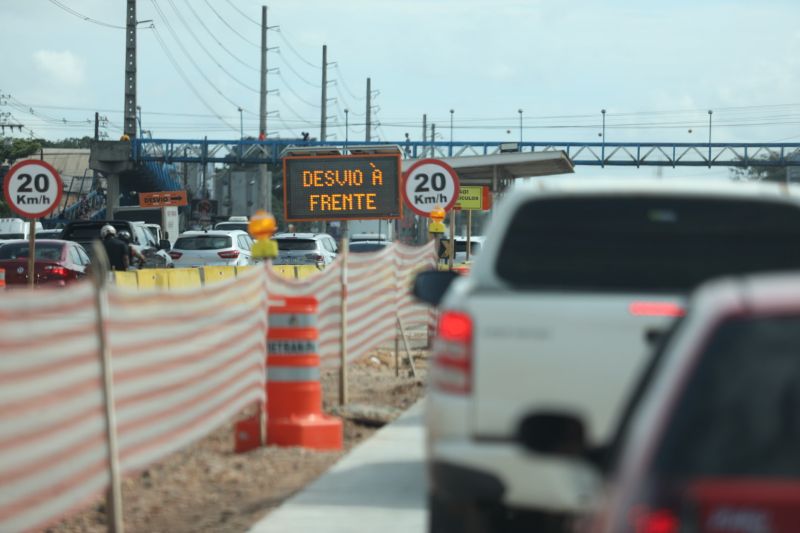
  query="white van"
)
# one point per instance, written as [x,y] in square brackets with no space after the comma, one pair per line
[16,228]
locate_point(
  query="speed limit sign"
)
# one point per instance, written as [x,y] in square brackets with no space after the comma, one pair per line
[428,184]
[33,188]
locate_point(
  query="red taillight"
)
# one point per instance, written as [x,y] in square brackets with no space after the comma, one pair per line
[229,254]
[656,309]
[175,255]
[452,359]
[55,271]
[654,520]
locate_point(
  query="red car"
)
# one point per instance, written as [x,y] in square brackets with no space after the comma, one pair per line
[57,262]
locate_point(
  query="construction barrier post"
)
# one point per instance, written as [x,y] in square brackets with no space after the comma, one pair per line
[294,390]
[2,278]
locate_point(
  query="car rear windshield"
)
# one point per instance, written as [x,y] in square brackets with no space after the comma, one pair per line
[739,414]
[291,245]
[47,252]
[203,242]
[228,226]
[645,243]
[10,236]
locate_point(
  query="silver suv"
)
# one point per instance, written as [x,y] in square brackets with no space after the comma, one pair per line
[305,249]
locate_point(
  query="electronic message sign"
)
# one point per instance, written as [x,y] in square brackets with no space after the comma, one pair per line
[356,187]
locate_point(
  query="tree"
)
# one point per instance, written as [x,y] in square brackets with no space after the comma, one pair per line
[760,172]
[13,149]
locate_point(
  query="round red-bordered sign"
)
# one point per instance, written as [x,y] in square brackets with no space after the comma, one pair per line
[429,183]
[33,188]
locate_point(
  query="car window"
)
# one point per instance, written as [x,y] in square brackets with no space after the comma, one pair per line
[739,414]
[74,257]
[203,242]
[290,245]
[645,243]
[244,244]
[83,256]
[48,252]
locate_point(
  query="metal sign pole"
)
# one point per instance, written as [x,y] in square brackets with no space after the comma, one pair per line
[31,252]
[343,249]
[114,495]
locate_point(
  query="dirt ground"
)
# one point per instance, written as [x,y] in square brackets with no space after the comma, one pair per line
[207,487]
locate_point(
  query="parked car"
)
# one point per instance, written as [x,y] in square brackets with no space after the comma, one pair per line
[56,262]
[85,231]
[710,444]
[305,249]
[576,279]
[213,247]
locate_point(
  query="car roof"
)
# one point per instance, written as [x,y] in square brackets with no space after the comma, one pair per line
[688,186]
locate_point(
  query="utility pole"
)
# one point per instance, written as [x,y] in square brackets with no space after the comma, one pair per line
[265,181]
[130,71]
[424,129]
[324,113]
[369,110]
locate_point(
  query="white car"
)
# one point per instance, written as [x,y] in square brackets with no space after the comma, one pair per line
[711,440]
[212,247]
[305,249]
[576,280]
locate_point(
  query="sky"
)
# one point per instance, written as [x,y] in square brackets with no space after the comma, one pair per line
[656,67]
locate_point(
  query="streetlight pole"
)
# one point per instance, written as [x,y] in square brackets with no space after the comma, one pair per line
[451,132]
[241,125]
[520,128]
[603,149]
[346,127]
[709,137]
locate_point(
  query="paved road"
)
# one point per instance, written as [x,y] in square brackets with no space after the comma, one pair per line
[378,486]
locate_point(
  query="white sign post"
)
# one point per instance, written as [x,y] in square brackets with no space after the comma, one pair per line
[32,189]
[428,184]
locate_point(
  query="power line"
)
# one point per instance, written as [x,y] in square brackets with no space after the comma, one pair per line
[84,17]
[346,88]
[298,54]
[220,17]
[185,78]
[242,13]
[213,36]
[289,65]
[200,44]
[311,104]
[191,58]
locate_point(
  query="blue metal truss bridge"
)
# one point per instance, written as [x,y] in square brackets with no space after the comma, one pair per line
[247,152]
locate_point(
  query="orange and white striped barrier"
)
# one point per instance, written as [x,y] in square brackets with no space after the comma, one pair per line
[293,379]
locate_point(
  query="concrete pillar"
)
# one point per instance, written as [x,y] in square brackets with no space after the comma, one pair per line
[112,195]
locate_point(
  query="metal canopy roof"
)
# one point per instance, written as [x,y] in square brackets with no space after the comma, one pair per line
[482,169]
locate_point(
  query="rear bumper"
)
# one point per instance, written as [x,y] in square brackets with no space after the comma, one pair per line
[502,472]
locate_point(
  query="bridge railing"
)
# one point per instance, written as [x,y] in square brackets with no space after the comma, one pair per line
[247,152]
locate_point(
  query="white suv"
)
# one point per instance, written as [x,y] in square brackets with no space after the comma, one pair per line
[305,249]
[576,279]
[213,247]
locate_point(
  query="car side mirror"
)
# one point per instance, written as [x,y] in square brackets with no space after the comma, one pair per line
[165,245]
[430,286]
[558,434]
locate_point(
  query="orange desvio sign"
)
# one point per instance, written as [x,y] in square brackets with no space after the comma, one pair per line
[162,199]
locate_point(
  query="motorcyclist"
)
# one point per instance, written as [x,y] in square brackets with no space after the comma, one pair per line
[134,255]
[115,248]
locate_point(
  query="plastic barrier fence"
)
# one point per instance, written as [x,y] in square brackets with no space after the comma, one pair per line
[184,362]
[377,292]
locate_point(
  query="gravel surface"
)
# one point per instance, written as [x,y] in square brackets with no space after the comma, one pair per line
[207,487]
